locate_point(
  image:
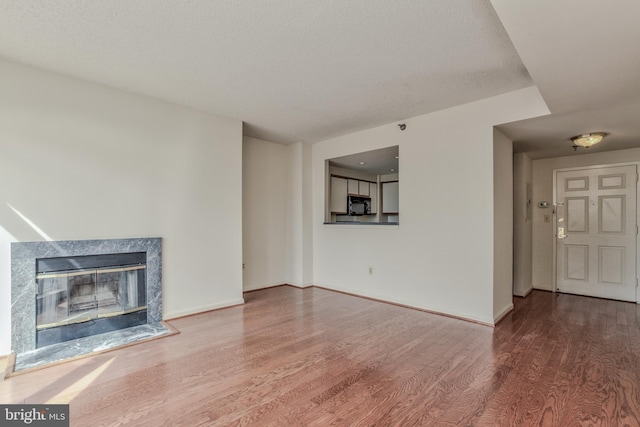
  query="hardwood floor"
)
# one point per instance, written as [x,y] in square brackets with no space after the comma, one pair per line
[313,357]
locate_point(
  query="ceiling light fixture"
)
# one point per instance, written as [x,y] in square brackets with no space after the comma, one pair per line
[587,140]
[392,170]
[363,163]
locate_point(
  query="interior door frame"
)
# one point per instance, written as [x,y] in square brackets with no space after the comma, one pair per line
[555,221]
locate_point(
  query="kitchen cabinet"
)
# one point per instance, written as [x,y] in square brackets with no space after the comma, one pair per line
[338,195]
[373,193]
[341,188]
[390,197]
[363,188]
[358,188]
[353,187]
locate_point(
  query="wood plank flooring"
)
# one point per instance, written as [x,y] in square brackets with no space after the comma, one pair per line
[313,357]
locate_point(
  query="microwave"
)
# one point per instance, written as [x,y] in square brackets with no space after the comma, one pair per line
[359,205]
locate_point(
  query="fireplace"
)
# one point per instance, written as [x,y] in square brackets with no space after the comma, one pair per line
[88,295]
[77,289]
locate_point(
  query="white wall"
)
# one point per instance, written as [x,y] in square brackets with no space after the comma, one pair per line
[266,213]
[300,238]
[5,286]
[522,227]
[441,255]
[502,224]
[543,233]
[83,161]
[277,234]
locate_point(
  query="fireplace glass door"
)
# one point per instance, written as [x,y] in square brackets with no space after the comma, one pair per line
[68,297]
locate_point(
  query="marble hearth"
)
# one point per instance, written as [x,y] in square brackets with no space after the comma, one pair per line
[23,307]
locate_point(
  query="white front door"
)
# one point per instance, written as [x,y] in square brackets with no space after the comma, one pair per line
[596,232]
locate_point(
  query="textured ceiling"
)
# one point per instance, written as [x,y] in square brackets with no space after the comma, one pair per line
[292,70]
[550,136]
[584,56]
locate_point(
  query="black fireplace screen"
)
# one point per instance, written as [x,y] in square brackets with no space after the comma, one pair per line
[89,291]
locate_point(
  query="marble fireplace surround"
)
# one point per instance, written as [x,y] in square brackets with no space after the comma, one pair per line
[23,268]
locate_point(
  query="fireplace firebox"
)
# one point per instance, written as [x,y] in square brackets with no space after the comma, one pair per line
[86,295]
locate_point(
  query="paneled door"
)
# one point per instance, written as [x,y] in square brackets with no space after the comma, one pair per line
[596,232]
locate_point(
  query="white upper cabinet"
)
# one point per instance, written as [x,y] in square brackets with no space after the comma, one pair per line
[354,188]
[358,188]
[338,195]
[363,188]
[341,188]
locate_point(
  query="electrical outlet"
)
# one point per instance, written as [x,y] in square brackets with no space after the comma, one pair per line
[370,270]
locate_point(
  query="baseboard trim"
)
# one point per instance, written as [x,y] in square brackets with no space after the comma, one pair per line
[295,285]
[525,293]
[505,311]
[398,304]
[186,313]
[538,288]
[265,287]
[277,286]
[439,313]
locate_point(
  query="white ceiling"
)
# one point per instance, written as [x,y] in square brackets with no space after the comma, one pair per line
[292,70]
[584,56]
[306,70]
[550,136]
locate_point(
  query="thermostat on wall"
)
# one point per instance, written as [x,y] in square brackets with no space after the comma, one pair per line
[543,205]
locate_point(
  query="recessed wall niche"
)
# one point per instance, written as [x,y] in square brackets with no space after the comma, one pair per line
[363,188]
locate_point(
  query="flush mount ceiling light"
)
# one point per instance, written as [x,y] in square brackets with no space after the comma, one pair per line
[587,140]
[363,163]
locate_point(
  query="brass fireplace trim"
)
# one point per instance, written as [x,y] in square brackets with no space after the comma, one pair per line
[88,271]
[73,321]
